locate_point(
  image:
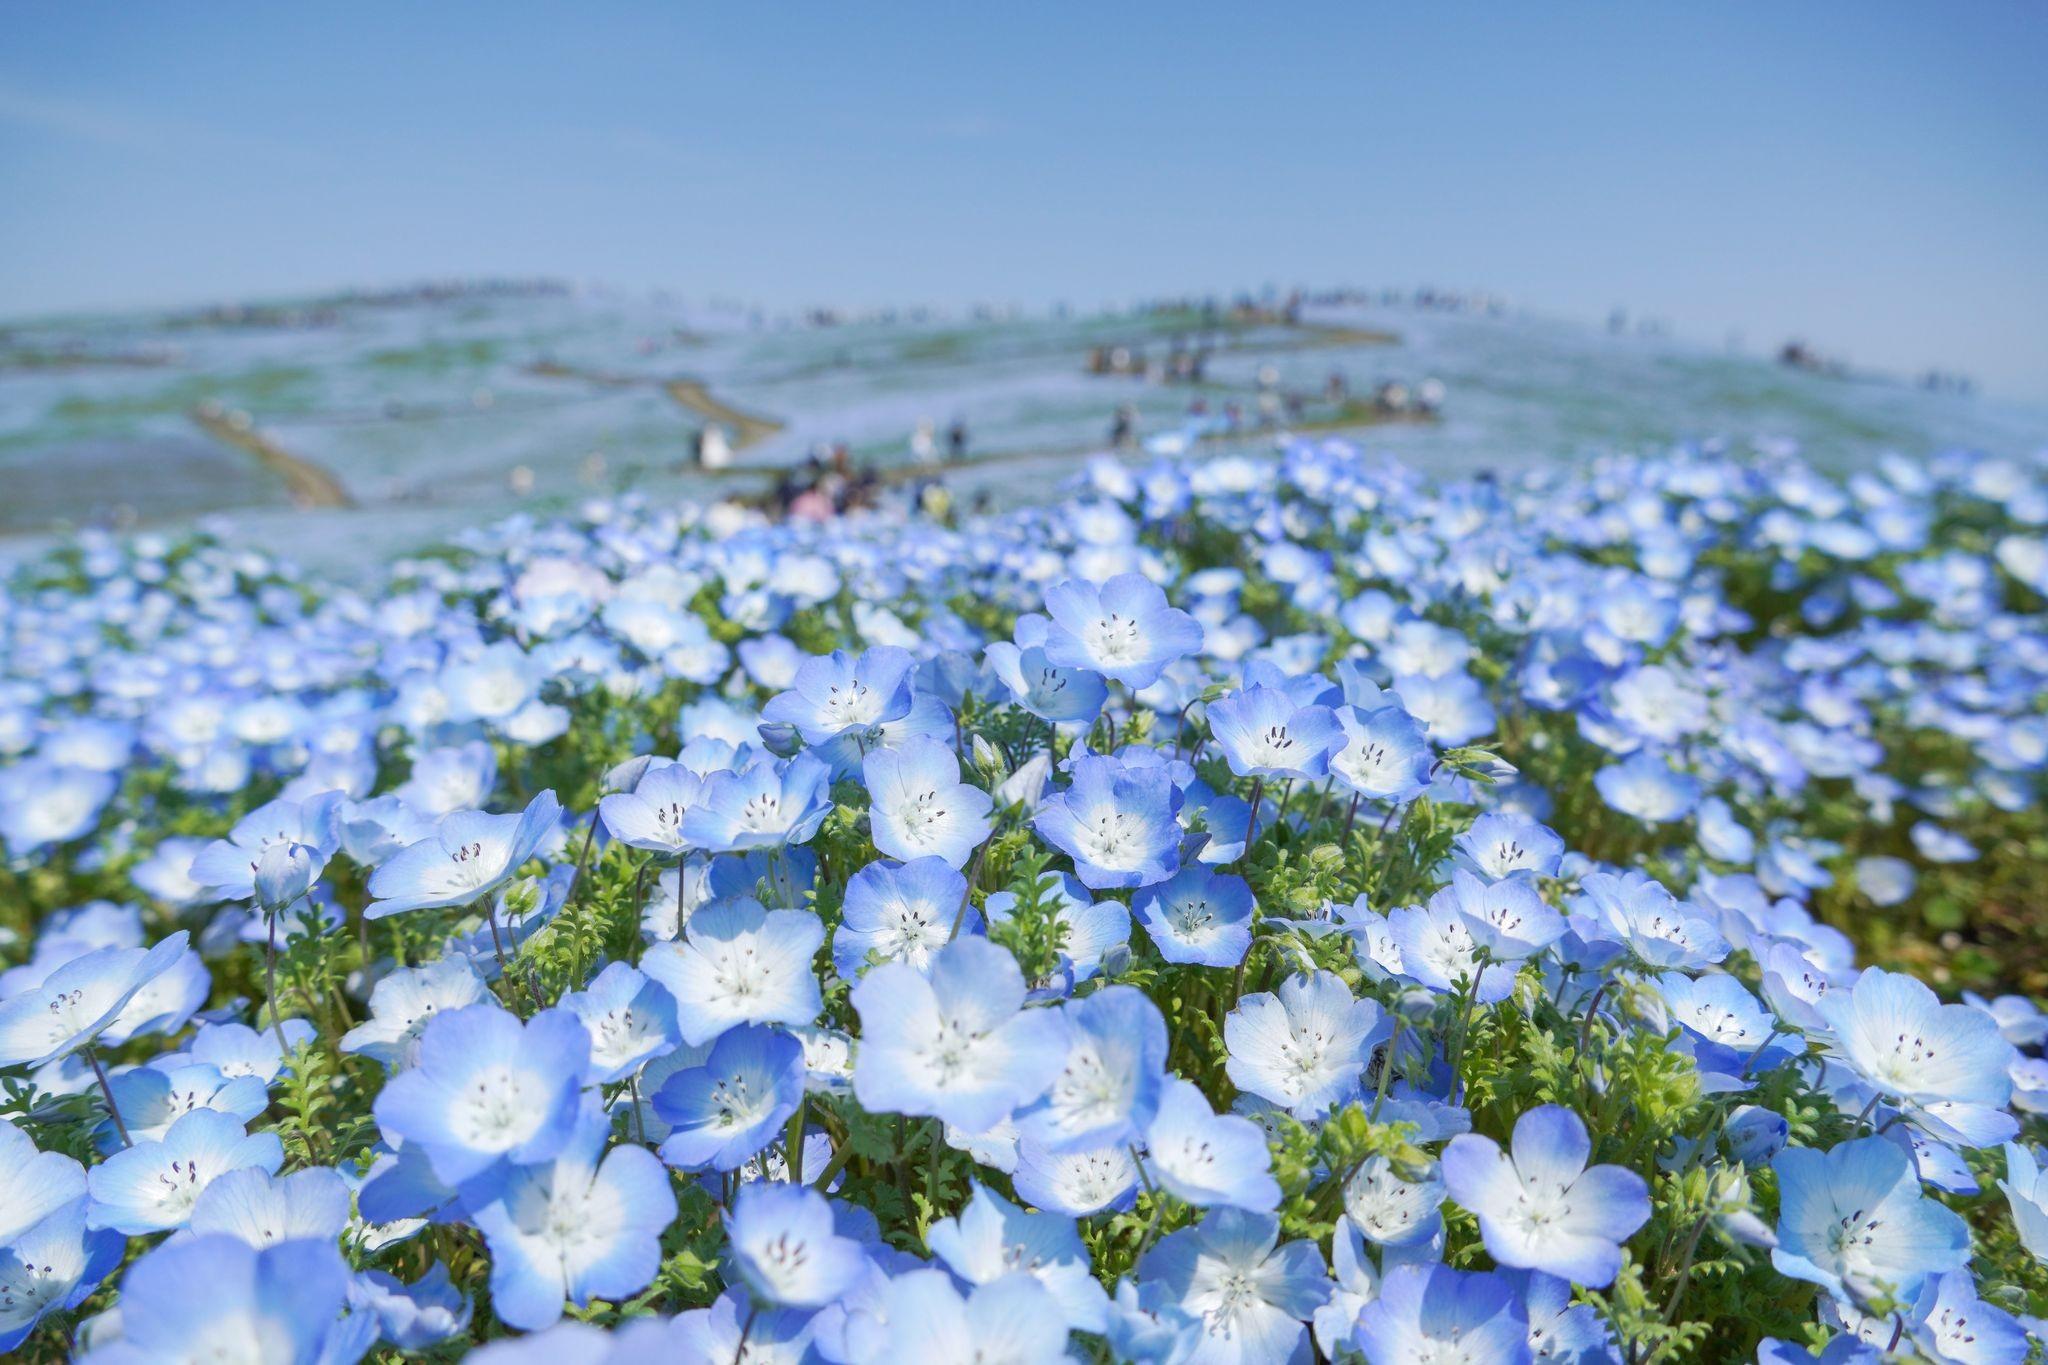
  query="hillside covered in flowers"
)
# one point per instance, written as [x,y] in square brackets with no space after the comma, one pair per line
[1247,911]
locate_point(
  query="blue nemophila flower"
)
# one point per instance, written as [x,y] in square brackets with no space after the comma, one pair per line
[1076,1184]
[1392,1210]
[953,1043]
[1044,688]
[767,804]
[33,1184]
[1356,1284]
[1012,1320]
[1116,820]
[151,1098]
[1199,917]
[1446,1316]
[1304,1047]
[1794,984]
[2021,1021]
[44,803]
[218,1298]
[153,1186]
[1946,1065]
[992,1238]
[1206,1158]
[263,1208]
[229,865]
[2026,1193]
[651,816]
[1647,787]
[1122,629]
[733,1327]
[786,1248]
[1452,709]
[900,912]
[468,856]
[238,1050]
[1384,754]
[919,807]
[79,1001]
[1508,921]
[1560,1330]
[1730,1035]
[1500,845]
[488,1089]
[1252,1295]
[1263,732]
[1437,949]
[402,1003]
[1952,1324]
[1107,1089]
[724,1111]
[1853,1220]
[740,964]
[838,694]
[414,1317]
[630,1018]
[51,1267]
[1148,1327]
[456,777]
[585,1225]
[284,874]
[1659,929]
[1540,1207]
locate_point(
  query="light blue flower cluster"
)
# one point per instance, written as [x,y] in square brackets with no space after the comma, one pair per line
[1095,932]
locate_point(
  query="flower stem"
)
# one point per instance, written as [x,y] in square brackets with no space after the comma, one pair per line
[1386,1070]
[931,1171]
[284,1050]
[840,1156]
[107,1090]
[1158,1206]
[1692,1245]
[973,872]
[740,1352]
[1251,821]
[793,1143]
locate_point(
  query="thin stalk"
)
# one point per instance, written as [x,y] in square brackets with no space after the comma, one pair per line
[931,1171]
[100,1073]
[740,1352]
[1158,1205]
[973,871]
[1468,997]
[1251,823]
[1350,819]
[504,967]
[270,986]
[793,1143]
[1387,1070]
[1692,1245]
[841,1154]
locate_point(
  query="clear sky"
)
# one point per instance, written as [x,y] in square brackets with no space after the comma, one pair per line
[1870,176]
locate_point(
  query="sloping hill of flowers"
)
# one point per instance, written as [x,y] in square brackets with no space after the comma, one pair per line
[1248,911]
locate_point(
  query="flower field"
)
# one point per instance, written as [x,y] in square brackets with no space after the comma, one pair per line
[1245,911]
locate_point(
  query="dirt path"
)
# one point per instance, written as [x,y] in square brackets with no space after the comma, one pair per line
[306,483]
[747,428]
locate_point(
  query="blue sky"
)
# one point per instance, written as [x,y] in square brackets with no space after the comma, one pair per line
[1873,177]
